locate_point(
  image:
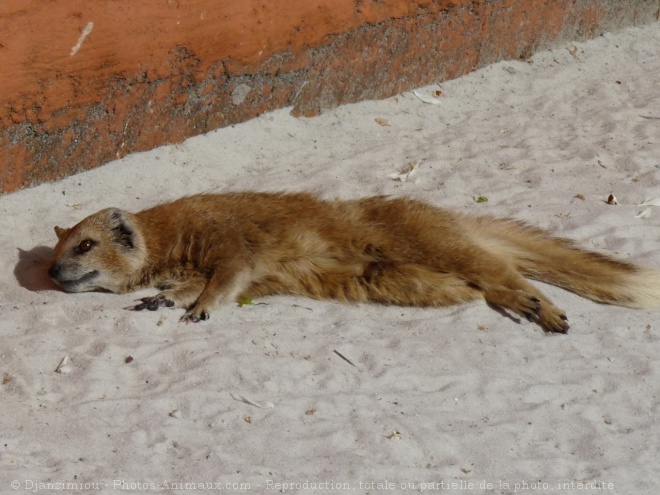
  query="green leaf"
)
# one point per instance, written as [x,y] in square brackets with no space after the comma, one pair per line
[244,301]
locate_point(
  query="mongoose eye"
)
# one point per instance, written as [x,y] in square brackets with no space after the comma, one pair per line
[84,246]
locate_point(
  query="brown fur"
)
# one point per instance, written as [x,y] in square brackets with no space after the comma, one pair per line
[205,250]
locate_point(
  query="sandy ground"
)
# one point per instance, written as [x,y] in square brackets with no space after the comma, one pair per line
[456,400]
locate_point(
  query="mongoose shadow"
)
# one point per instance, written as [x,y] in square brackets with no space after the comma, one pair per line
[31,271]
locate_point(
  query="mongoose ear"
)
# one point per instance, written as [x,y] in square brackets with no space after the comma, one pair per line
[60,232]
[122,230]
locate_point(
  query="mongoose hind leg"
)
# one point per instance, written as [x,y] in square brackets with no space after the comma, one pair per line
[419,285]
[524,299]
[503,286]
[411,284]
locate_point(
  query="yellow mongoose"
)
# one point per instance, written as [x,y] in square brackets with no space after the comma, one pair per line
[204,250]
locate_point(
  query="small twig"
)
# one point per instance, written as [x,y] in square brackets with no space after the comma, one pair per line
[302,307]
[298,92]
[649,117]
[62,367]
[344,358]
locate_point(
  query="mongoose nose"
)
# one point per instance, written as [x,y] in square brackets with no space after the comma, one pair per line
[54,271]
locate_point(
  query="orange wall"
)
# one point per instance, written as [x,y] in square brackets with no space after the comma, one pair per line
[86,82]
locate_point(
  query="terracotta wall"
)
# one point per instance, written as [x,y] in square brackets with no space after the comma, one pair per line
[84,82]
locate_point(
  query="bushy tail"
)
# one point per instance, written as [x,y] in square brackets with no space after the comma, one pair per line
[539,256]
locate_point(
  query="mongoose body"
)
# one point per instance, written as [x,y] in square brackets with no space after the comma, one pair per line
[205,250]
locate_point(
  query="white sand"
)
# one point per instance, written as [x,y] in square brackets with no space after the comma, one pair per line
[454,395]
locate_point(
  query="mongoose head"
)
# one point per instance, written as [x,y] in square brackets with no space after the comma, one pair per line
[104,252]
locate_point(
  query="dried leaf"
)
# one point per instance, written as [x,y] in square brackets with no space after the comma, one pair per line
[259,404]
[406,173]
[426,98]
[650,202]
[394,435]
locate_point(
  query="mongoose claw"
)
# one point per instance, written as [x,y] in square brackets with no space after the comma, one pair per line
[191,317]
[558,324]
[152,303]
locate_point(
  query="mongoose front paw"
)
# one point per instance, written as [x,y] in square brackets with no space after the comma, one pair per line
[153,303]
[555,322]
[195,316]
